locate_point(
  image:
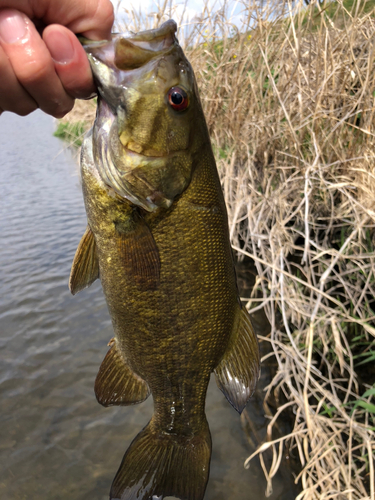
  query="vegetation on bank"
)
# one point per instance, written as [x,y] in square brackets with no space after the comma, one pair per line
[73,127]
[290,104]
[71,132]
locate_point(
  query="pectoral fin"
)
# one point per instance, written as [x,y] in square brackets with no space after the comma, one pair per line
[116,383]
[139,253]
[239,369]
[85,267]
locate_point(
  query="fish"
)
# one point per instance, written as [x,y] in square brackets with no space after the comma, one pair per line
[157,237]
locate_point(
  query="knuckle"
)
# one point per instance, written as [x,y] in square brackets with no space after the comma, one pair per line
[21,108]
[26,111]
[61,110]
[110,14]
[106,10]
[34,72]
[79,89]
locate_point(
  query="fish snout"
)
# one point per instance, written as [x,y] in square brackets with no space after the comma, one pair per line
[136,51]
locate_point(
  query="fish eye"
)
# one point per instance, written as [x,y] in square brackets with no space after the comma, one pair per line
[178,98]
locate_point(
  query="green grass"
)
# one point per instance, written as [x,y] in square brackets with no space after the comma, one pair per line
[335,13]
[71,132]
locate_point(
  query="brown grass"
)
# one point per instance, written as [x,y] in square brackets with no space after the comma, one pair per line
[289,102]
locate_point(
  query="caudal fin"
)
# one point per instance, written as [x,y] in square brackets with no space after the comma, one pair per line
[159,465]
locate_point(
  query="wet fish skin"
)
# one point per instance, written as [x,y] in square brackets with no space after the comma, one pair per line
[158,238]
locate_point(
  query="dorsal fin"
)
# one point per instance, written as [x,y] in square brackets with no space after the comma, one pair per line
[85,267]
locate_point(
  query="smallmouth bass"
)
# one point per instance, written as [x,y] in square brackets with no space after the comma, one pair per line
[157,237]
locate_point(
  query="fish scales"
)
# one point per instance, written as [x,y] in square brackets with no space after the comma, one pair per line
[173,326]
[158,239]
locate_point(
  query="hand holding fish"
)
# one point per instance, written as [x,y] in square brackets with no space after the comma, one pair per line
[48,71]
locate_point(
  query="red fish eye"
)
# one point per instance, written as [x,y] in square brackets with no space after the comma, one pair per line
[178,98]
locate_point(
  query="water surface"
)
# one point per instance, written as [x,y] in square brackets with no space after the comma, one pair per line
[56,441]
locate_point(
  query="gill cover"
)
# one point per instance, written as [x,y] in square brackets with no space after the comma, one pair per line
[142,135]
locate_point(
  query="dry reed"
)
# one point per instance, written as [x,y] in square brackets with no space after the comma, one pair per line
[289,102]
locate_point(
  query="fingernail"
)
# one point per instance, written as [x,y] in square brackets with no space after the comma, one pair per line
[13,26]
[60,47]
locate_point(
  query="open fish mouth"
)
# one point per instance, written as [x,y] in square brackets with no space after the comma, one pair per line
[129,53]
[134,52]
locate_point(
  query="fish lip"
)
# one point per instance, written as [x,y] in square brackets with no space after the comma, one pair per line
[169,27]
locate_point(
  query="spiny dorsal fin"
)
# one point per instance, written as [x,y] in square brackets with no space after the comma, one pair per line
[85,267]
[116,383]
[238,371]
[139,253]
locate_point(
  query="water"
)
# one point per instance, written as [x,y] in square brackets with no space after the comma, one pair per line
[56,441]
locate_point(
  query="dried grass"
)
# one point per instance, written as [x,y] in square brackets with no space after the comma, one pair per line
[292,120]
[289,102]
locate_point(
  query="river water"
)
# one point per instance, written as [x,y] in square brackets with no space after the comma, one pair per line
[56,441]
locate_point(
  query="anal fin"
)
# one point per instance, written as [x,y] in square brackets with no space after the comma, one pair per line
[85,267]
[139,253]
[116,383]
[239,369]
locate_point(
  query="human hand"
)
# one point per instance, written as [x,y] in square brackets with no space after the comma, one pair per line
[48,71]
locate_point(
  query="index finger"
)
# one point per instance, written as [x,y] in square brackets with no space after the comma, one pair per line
[91,18]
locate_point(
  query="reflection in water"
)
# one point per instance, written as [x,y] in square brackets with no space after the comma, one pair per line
[56,441]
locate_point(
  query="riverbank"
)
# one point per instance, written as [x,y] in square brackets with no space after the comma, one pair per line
[289,102]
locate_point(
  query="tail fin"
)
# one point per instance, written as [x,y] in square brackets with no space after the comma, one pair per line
[159,465]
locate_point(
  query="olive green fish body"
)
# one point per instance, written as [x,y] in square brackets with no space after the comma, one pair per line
[173,337]
[158,239]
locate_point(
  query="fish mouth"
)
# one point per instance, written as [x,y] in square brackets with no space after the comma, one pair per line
[127,53]
[134,52]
